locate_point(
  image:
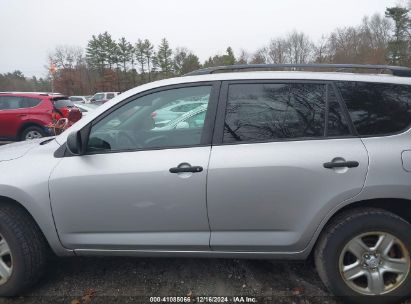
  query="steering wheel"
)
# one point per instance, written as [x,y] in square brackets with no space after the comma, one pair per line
[124,141]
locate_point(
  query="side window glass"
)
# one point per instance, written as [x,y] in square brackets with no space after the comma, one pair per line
[4,104]
[110,95]
[99,96]
[337,123]
[377,108]
[14,103]
[26,102]
[147,122]
[268,112]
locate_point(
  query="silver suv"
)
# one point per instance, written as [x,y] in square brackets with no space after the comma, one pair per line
[280,165]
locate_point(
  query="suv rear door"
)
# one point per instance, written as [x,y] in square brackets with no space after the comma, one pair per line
[14,111]
[273,174]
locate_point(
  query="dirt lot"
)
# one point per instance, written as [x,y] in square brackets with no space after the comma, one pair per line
[129,280]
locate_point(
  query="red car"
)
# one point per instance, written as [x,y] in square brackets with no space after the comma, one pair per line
[33,115]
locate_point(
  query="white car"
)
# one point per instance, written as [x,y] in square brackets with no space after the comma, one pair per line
[78,99]
[192,119]
[169,113]
[85,108]
[102,97]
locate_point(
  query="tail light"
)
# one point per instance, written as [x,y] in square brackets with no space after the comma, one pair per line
[56,115]
[153,115]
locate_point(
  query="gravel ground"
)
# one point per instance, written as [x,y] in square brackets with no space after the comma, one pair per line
[133,280]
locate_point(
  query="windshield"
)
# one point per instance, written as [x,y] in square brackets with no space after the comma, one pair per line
[98,96]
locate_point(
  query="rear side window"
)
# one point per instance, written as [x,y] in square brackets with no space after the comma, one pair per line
[110,95]
[377,108]
[266,112]
[16,102]
[63,103]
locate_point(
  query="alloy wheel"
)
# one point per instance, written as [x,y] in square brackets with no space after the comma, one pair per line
[6,261]
[33,134]
[374,263]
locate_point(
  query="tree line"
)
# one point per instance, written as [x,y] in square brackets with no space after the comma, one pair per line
[107,64]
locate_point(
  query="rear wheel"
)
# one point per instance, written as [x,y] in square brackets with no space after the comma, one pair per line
[23,251]
[364,256]
[32,132]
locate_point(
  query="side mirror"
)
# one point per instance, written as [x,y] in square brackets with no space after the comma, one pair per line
[92,100]
[74,143]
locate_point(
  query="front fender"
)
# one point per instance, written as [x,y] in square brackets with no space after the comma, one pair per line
[25,180]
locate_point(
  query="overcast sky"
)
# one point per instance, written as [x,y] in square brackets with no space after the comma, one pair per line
[30,29]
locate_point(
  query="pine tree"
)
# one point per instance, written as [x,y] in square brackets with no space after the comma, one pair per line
[125,53]
[140,55]
[164,57]
[399,45]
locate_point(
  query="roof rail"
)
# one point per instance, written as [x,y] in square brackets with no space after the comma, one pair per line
[33,93]
[395,70]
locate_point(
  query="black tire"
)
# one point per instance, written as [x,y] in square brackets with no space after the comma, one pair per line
[336,236]
[27,246]
[36,129]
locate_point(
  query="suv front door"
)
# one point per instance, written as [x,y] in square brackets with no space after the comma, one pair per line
[268,186]
[134,189]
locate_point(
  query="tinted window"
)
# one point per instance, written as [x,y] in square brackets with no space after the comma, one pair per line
[63,103]
[377,108]
[16,102]
[99,96]
[337,122]
[110,95]
[133,125]
[264,112]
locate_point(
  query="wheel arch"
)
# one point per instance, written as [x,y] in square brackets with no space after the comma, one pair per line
[49,235]
[26,125]
[398,206]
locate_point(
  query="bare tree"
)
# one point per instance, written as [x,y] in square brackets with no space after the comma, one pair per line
[260,56]
[299,48]
[243,58]
[321,51]
[277,51]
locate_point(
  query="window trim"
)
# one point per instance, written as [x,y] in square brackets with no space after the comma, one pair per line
[206,137]
[344,108]
[222,105]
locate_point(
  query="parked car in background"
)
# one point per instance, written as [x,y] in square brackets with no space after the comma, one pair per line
[191,119]
[169,113]
[30,115]
[102,97]
[85,108]
[82,99]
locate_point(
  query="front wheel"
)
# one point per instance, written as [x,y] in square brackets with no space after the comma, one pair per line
[364,256]
[23,251]
[32,132]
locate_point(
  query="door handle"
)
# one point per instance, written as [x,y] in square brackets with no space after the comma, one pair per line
[191,169]
[346,164]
